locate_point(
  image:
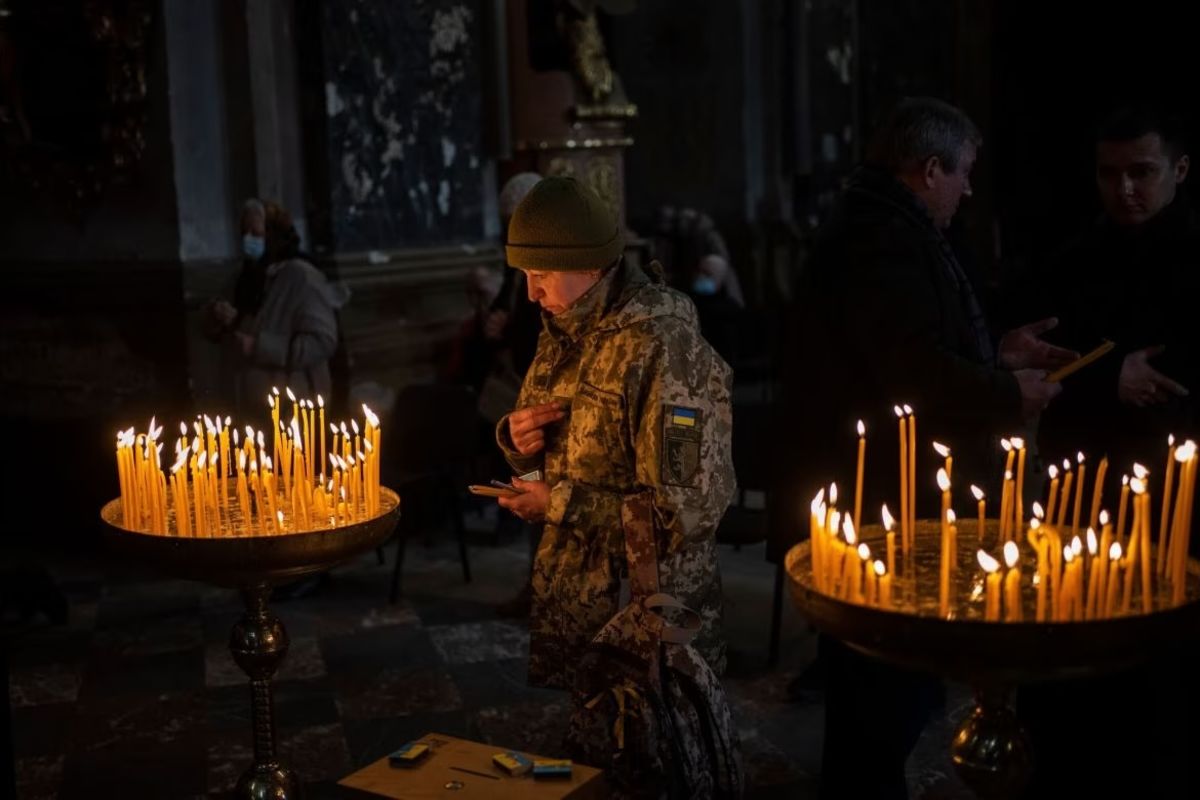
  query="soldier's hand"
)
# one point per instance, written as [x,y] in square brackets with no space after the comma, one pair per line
[1141,385]
[525,426]
[532,503]
[1036,393]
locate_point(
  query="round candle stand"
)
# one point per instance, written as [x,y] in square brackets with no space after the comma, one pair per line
[990,750]
[259,642]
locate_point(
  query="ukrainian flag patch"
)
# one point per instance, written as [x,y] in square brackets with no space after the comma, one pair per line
[684,417]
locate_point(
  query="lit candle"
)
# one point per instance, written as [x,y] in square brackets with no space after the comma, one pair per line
[1110,596]
[1078,495]
[903,478]
[1094,603]
[1065,501]
[1012,582]
[858,483]
[815,523]
[889,523]
[975,490]
[884,579]
[1186,455]
[1052,500]
[1066,600]
[1006,504]
[949,557]
[1019,503]
[1135,545]
[944,451]
[868,592]
[992,602]
[321,412]
[1166,505]
[850,561]
[1098,492]
[912,474]
[1041,577]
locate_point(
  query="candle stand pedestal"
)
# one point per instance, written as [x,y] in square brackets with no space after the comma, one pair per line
[990,751]
[259,642]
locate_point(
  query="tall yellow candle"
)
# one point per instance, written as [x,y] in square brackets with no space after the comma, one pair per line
[321,424]
[1064,504]
[885,585]
[1106,542]
[867,595]
[1147,564]
[1122,508]
[903,479]
[858,481]
[1098,492]
[992,585]
[889,523]
[912,474]
[982,501]
[944,451]
[1078,508]
[816,517]
[1052,499]
[1093,600]
[1166,505]
[1012,582]
[1135,546]
[1113,580]
[1042,577]
[1019,491]
[1006,503]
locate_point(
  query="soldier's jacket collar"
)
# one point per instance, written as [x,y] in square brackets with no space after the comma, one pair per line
[624,296]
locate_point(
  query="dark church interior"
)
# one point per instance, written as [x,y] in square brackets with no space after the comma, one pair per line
[510,351]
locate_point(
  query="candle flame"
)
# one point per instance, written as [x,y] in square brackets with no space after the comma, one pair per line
[343,493]
[1068,554]
[1138,486]
[889,521]
[1076,545]
[941,449]
[899,411]
[1017,442]
[290,394]
[367,444]
[260,440]
[242,460]
[1037,579]
[1079,456]
[279,516]
[880,568]
[1104,517]
[268,463]
[943,480]
[330,489]
[275,391]
[1008,475]
[371,416]
[270,401]
[951,517]
[975,490]
[1140,472]
[1124,480]
[908,409]
[1170,440]
[345,432]
[1035,524]
[354,425]
[1053,472]
[333,429]
[819,497]
[254,465]
[202,460]
[1006,444]
[183,428]
[988,563]
[1092,544]
[862,429]
[1012,554]
[236,438]
[1038,511]
[1185,452]
[1066,465]
[864,552]
[1114,551]
[228,420]
[848,530]
[833,494]
[320,401]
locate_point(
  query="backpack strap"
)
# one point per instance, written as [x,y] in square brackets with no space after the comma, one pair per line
[641,553]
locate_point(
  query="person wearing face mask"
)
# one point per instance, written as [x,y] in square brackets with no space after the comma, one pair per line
[282,322]
[717,305]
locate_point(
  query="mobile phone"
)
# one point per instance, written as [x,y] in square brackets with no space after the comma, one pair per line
[408,755]
[491,491]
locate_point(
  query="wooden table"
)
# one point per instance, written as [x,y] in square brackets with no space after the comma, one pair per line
[463,770]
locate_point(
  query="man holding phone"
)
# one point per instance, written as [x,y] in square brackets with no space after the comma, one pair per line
[624,399]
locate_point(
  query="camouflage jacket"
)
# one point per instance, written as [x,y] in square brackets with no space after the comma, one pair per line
[649,412]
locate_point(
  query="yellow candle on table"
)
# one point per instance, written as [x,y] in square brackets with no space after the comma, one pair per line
[1106,542]
[889,523]
[903,479]
[992,582]
[321,424]
[885,585]
[1042,577]
[1166,506]
[1012,582]
[849,576]
[944,451]
[1091,604]
[1019,495]
[975,490]
[1078,508]
[1006,502]
[1052,500]
[867,594]
[1065,501]
[1066,599]
[912,474]
[858,482]
[1113,580]
[1135,545]
[1147,565]
[815,518]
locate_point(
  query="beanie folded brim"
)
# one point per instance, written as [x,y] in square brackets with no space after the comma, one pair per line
[564,258]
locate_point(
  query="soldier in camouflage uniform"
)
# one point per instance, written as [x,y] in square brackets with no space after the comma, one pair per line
[624,398]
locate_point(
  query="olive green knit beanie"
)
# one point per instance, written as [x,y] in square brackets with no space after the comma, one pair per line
[562,226]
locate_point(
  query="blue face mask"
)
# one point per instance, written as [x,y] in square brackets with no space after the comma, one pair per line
[704,286]
[253,246]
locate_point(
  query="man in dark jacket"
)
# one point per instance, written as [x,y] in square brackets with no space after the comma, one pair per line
[1131,278]
[889,316]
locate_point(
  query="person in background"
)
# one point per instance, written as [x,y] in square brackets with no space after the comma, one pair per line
[282,321]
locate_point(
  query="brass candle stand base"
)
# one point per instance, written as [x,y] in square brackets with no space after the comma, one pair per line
[990,750]
[259,641]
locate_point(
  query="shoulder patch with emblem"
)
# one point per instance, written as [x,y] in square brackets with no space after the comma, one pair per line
[681,445]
